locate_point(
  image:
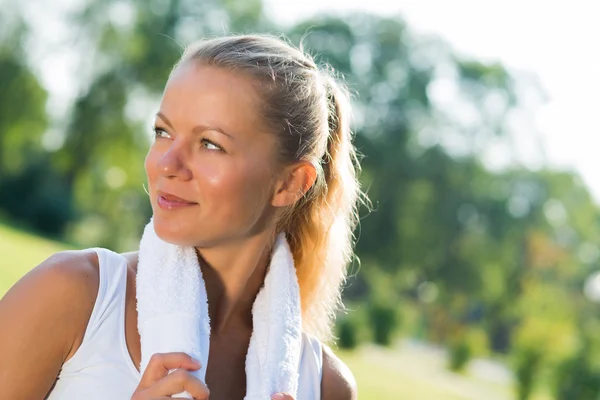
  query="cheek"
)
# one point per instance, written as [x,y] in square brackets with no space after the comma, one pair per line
[215,174]
[235,188]
[150,166]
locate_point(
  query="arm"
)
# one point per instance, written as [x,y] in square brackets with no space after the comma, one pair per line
[42,322]
[338,382]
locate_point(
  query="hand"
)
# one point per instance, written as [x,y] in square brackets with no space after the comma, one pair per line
[158,383]
[281,396]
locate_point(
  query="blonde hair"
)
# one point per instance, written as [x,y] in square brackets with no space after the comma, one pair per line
[308,109]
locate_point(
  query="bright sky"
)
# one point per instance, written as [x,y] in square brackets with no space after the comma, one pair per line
[553,39]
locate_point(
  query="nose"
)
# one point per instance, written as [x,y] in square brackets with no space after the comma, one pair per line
[173,163]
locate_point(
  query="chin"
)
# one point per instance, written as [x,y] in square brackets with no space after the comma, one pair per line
[175,232]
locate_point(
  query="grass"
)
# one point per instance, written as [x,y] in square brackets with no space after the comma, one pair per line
[20,252]
[417,371]
[377,379]
[409,371]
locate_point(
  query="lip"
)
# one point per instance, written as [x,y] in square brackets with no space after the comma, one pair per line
[169,201]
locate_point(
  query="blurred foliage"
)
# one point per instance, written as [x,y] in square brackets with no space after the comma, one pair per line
[578,378]
[383,320]
[23,120]
[460,353]
[494,261]
[527,370]
[347,333]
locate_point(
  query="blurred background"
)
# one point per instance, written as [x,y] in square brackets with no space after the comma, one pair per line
[478,273]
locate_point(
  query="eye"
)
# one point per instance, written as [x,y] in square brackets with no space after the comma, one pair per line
[160,133]
[208,145]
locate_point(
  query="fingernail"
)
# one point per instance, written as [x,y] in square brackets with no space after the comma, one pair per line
[194,361]
[278,396]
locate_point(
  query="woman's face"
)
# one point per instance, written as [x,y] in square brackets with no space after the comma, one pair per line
[211,167]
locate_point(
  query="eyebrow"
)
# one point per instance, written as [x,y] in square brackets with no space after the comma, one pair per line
[197,129]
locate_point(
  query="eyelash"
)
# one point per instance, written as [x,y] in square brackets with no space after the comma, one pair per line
[158,131]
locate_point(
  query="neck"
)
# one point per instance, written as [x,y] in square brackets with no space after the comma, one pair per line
[234,274]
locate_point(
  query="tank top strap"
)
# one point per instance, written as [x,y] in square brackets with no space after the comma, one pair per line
[310,368]
[106,323]
[112,269]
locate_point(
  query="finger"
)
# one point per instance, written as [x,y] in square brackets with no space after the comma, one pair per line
[143,395]
[179,381]
[281,396]
[161,363]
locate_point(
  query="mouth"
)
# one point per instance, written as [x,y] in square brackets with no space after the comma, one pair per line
[168,201]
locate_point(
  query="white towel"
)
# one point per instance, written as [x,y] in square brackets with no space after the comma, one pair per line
[173,314]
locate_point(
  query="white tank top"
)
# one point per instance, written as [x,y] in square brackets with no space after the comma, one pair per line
[102,368]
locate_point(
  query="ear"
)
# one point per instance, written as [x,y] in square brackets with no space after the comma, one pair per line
[295,181]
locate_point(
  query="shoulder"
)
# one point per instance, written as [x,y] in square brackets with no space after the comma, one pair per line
[75,264]
[66,282]
[64,274]
[67,285]
[76,271]
[61,291]
[43,318]
[338,382]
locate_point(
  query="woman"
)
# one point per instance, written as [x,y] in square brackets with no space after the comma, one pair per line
[251,140]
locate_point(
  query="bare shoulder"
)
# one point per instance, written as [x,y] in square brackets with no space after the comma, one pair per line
[65,286]
[43,318]
[338,382]
[64,274]
[73,264]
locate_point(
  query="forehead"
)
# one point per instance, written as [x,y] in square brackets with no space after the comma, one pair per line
[203,94]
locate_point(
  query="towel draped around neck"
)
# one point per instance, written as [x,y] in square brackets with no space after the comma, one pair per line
[173,315]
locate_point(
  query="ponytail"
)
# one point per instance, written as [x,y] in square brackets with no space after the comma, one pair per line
[321,229]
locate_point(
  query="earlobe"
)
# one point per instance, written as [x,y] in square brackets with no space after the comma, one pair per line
[297,180]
